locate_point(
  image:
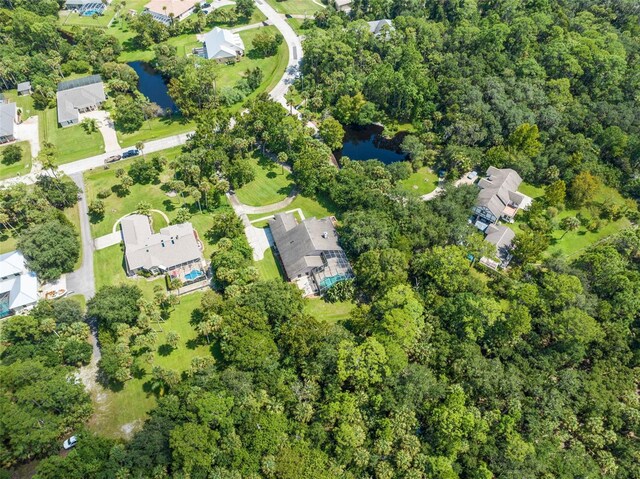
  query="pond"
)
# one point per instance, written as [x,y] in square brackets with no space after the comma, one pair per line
[367,143]
[152,85]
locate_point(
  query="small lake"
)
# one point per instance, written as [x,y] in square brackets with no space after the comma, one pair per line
[152,85]
[367,143]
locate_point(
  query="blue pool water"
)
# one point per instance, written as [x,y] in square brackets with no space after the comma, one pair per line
[328,282]
[88,13]
[193,274]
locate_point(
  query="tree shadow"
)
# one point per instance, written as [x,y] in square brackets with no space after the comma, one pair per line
[165,350]
[168,206]
[271,175]
[120,191]
[285,190]
[94,219]
[192,344]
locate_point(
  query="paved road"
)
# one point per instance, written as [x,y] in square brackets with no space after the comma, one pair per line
[295,52]
[82,281]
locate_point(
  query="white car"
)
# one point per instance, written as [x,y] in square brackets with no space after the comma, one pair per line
[69,443]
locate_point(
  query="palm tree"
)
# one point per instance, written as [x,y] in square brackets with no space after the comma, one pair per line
[140,146]
[570,223]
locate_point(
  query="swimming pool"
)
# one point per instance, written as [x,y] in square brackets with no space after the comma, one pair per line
[193,275]
[326,283]
[89,13]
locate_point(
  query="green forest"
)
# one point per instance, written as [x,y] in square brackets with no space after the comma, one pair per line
[443,369]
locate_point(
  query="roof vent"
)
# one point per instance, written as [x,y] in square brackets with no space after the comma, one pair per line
[325,235]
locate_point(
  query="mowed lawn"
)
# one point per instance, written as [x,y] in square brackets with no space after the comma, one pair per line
[331,312]
[272,183]
[296,7]
[309,206]
[270,267]
[21,167]
[156,128]
[68,18]
[120,413]
[71,143]
[421,182]
[574,243]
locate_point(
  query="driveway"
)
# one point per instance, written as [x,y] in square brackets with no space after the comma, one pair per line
[106,127]
[82,280]
[28,131]
[251,27]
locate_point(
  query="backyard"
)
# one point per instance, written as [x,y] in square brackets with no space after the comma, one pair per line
[19,168]
[272,183]
[310,207]
[572,243]
[119,413]
[421,182]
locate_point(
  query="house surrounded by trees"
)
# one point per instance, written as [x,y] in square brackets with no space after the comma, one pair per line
[222,45]
[175,250]
[309,252]
[79,96]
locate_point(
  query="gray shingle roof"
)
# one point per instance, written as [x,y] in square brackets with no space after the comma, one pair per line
[80,94]
[300,244]
[172,246]
[499,189]
[24,86]
[7,118]
[376,26]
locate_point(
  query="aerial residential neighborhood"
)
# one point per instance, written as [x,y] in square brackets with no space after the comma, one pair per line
[319,239]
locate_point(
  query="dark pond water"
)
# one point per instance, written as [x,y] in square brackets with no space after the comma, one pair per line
[367,143]
[152,85]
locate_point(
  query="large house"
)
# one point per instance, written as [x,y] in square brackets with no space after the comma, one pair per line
[498,200]
[175,250]
[79,96]
[8,120]
[309,252]
[222,45]
[168,11]
[343,5]
[18,285]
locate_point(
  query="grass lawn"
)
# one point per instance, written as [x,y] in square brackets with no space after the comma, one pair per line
[421,182]
[125,410]
[269,267]
[22,167]
[155,129]
[309,206]
[68,18]
[272,67]
[331,312]
[574,243]
[295,7]
[72,143]
[7,242]
[24,102]
[272,183]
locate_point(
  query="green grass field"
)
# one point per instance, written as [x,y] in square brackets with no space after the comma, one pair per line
[269,267]
[272,183]
[421,182]
[72,143]
[24,102]
[574,243]
[155,129]
[309,206]
[295,7]
[121,412]
[22,167]
[331,312]
[68,18]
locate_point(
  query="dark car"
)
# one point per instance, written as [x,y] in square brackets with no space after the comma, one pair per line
[205,5]
[113,159]
[130,153]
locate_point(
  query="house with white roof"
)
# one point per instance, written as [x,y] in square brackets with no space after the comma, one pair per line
[78,96]
[8,121]
[18,285]
[222,45]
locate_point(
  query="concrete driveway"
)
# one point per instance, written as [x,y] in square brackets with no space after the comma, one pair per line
[106,127]
[28,131]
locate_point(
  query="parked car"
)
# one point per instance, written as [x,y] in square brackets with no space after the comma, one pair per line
[69,443]
[205,5]
[113,159]
[130,153]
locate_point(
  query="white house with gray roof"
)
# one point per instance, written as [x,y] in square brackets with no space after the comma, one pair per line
[175,250]
[8,121]
[79,96]
[310,251]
